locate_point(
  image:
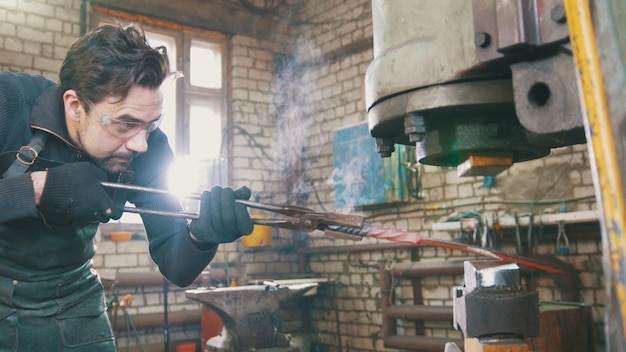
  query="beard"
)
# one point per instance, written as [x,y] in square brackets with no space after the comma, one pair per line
[116,162]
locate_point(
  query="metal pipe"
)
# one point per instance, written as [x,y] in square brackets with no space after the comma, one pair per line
[388,324]
[156,320]
[417,269]
[148,278]
[418,312]
[353,248]
[391,313]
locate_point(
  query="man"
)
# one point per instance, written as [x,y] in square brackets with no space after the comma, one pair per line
[100,123]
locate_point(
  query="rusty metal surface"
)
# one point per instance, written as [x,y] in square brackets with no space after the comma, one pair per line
[547,87]
[564,327]
[461,119]
[416,39]
[514,26]
[455,97]
[493,302]
[492,311]
[453,51]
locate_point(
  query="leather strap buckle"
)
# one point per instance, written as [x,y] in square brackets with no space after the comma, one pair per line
[28,153]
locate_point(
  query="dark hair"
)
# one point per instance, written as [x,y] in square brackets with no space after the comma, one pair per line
[111,59]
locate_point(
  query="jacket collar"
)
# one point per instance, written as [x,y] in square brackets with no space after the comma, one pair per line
[48,114]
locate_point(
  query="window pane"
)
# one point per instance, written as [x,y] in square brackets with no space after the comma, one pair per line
[205,131]
[205,64]
[168,126]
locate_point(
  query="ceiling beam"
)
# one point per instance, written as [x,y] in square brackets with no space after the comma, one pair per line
[220,16]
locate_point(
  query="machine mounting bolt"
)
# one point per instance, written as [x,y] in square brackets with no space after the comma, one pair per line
[482,39]
[493,130]
[557,14]
[414,127]
[385,146]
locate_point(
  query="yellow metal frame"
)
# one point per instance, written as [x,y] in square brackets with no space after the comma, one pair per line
[602,145]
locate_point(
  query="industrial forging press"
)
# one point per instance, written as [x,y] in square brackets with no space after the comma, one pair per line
[491,83]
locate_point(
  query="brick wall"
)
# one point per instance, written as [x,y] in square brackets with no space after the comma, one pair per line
[35,35]
[288,95]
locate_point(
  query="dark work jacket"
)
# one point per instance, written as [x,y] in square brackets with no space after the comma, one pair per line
[33,250]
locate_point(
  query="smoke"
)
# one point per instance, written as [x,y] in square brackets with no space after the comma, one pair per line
[294,120]
[349,183]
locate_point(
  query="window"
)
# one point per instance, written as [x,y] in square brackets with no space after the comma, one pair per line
[205,108]
[169,88]
[194,106]
[205,64]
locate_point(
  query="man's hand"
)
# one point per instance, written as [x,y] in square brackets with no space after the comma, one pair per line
[72,192]
[222,219]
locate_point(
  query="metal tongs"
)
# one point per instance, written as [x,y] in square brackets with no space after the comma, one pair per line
[295,217]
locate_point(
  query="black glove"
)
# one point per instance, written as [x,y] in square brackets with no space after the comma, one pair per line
[221,219]
[73,193]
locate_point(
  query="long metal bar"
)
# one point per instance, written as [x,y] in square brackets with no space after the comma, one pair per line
[605,165]
[128,187]
[197,196]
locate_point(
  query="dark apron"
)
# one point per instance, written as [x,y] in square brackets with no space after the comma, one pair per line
[67,313]
[50,297]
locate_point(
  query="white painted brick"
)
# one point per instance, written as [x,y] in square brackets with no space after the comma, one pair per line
[64,39]
[7,29]
[47,64]
[35,21]
[245,84]
[34,49]
[106,247]
[34,35]
[587,177]
[16,59]
[69,28]
[144,260]
[239,72]
[120,260]
[258,97]
[98,261]
[9,4]
[154,300]
[66,14]
[14,17]
[35,7]
[466,191]
[264,86]
[243,61]
[259,75]
[53,24]
[133,246]
[13,44]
